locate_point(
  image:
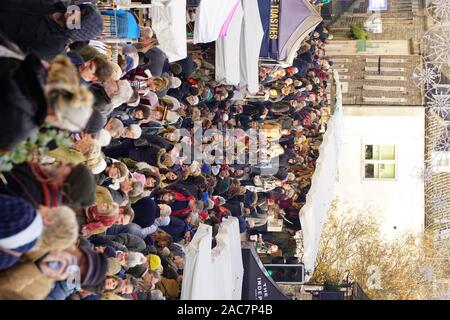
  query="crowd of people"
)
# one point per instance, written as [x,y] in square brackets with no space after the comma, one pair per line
[108,215]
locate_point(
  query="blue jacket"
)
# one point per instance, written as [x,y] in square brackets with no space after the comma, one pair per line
[60,291]
[177,228]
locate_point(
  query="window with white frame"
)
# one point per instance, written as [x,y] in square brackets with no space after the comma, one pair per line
[380,162]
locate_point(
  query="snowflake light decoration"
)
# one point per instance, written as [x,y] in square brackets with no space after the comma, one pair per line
[436,44]
[439,103]
[439,10]
[426,75]
[443,141]
[424,174]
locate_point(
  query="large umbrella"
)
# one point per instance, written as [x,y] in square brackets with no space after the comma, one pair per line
[286,23]
[309,23]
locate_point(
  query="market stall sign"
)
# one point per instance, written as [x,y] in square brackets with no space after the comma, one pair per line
[274,19]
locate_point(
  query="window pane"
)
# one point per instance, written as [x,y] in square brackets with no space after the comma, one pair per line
[369,171]
[376,152]
[369,152]
[387,171]
[387,152]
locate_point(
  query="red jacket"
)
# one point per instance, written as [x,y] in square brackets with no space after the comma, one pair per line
[181,197]
[97,222]
[52,197]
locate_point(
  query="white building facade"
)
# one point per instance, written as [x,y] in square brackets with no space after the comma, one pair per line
[382,153]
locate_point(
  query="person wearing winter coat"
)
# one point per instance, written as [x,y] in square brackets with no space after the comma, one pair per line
[131,115]
[170,288]
[99,217]
[154,60]
[179,229]
[123,242]
[50,186]
[115,172]
[146,211]
[59,231]
[27,232]
[46,27]
[187,66]
[130,228]
[31,96]
[34,278]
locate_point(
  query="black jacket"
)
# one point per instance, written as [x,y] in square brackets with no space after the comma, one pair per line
[137,272]
[118,196]
[181,92]
[133,243]
[155,60]
[157,141]
[101,99]
[27,24]
[188,66]
[123,242]
[23,105]
[23,181]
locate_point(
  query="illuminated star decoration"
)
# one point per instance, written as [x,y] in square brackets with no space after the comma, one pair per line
[427,75]
[439,103]
[425,174]
[440,10]
[436,44]
[443,142]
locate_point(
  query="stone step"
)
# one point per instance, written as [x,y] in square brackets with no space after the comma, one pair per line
[383,88]
[383,78]
[336,60]
[384,100]
[375,60]
[385,69]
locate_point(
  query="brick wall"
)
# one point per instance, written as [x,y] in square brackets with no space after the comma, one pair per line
[439,185]
[355,78]
[404,20]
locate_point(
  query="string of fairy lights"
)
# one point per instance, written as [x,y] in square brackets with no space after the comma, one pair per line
[435,47]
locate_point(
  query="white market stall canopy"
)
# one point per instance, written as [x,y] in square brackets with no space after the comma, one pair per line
[169,25]
[227,51]
[214,274]
[320,195]
[237,54]
[212,19]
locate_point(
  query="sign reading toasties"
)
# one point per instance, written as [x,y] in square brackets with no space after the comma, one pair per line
[274,19]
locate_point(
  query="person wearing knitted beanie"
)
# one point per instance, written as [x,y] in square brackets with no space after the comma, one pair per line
[20,227]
